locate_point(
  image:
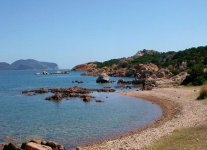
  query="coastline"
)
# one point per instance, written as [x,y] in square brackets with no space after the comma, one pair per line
[179,110]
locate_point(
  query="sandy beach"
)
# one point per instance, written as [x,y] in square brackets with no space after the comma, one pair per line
[180,109]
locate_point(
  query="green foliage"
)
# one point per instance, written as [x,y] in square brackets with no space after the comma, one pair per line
[108,63]
[195,59]
[197,76]
[148,58]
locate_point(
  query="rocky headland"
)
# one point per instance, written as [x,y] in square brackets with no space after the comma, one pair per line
[165,69]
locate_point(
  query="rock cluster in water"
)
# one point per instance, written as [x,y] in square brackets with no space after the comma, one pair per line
[34,145]
[62,93]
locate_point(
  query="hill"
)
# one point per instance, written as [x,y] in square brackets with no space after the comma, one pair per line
[192,60]
[28,64]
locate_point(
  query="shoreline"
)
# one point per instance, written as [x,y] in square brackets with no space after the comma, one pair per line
[167,114]
[180,109]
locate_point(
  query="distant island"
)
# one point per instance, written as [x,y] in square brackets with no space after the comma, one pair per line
[28,64]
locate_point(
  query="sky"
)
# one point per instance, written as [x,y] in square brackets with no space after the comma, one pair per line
[70,32]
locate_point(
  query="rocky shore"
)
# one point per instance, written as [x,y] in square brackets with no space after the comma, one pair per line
[151,73]
[34,145]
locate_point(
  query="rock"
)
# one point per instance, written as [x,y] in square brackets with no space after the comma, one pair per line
[147,67]
[36,141]
[160,74]
[78,148]
[8,138]
[23,146]
[99,101]
[103,78]
[57,96]
[85,67]
[79,82]
[86,99]
[11,146]
[1,146]
[64,93]
[35,146]
[53,145]
[42,73]
[148,88]
[164,73]
[179,78]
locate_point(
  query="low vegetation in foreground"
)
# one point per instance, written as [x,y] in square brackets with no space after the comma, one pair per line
[203,93]
[183,139]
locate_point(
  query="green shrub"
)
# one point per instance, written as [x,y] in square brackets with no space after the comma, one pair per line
[203,93]
[200,80]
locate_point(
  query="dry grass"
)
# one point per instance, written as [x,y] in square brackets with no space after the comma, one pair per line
[203,92]
[183,139]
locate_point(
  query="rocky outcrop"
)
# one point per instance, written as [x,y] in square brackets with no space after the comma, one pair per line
[35,145]
[11,146]
[63,93]
[144,51]
[103,78]
[85,67]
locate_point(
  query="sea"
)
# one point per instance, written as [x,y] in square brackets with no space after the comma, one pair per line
[70,122]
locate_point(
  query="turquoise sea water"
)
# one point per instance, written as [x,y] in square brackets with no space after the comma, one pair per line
[70,122]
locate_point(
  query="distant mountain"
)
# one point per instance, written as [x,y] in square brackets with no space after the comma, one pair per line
[4,66]
[28,64]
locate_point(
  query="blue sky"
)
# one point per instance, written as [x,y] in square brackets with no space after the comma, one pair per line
[70,32]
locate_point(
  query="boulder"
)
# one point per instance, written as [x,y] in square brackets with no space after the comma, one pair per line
[53,145]
[1,146]
[7,138]
[147,67]
[103,78]
[99,101]
[11,146]
[57,97]
[35,146]
[86,98]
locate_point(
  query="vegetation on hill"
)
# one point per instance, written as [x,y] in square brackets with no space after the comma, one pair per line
[193,60]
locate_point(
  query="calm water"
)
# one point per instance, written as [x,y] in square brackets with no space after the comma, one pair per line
[70,122]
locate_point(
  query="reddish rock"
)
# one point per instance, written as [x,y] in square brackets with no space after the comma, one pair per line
[86,98]
[57,96]
[85,67]
[1,146]
[8,138]
[35,146]
[147,67]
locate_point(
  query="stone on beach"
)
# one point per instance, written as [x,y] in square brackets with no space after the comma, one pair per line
[35,146]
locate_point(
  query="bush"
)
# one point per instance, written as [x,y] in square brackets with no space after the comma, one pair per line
[200,80]
[203,92]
